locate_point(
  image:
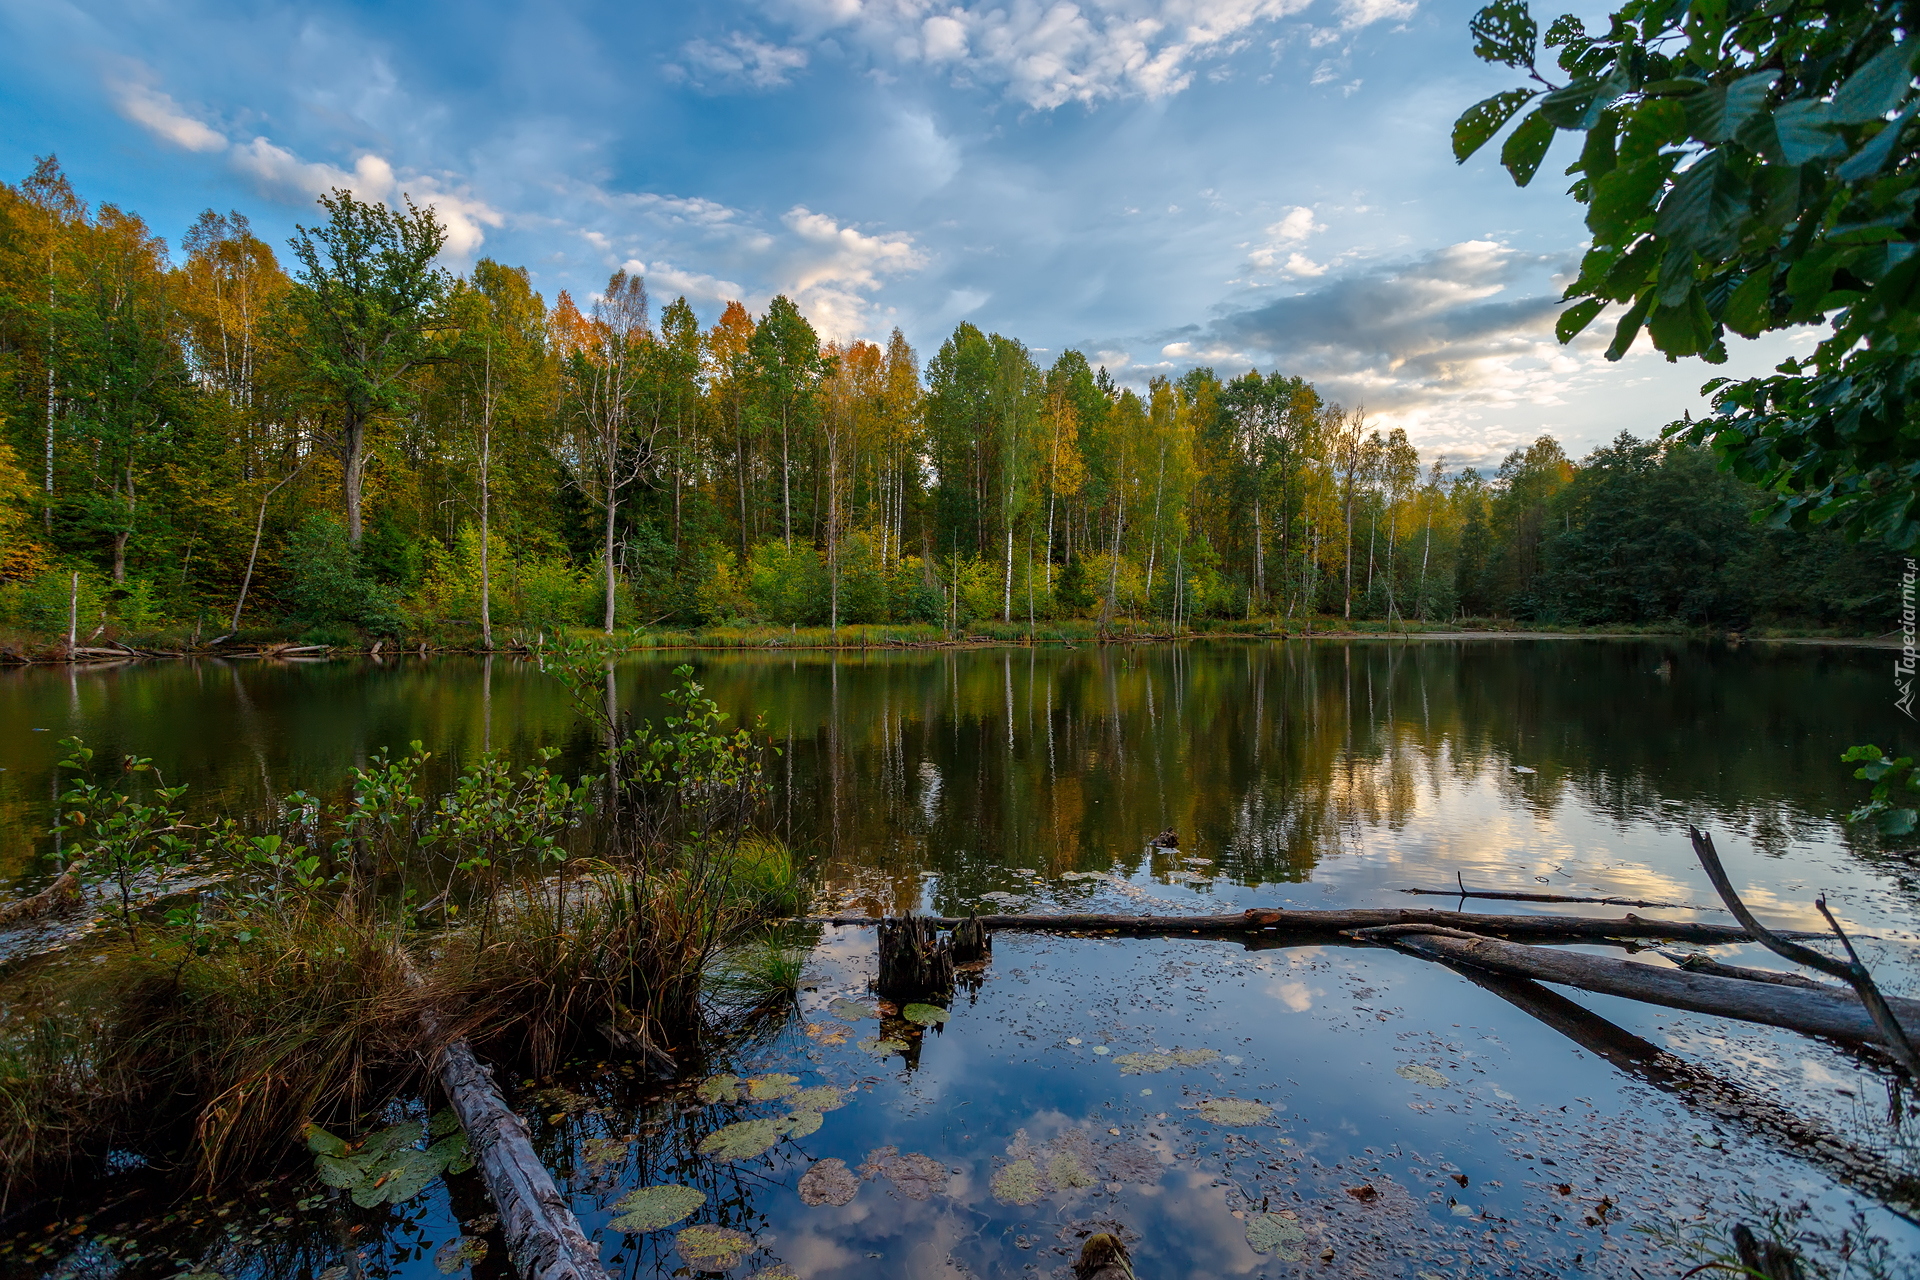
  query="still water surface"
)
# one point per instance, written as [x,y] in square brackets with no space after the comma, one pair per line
[1420,1125]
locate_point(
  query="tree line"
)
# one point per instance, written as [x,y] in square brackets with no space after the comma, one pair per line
[355,440]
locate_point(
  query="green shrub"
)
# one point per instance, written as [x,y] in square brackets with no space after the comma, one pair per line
[329,585]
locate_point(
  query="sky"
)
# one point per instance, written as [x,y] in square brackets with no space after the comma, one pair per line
[1158,183]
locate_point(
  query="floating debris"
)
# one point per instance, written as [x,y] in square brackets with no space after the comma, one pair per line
[828,1182]
[599,1151]
[1102,1050]
[915,1176]
[1234,1111]
[1019,1183]
[714,1248]
[924,1014]
[1065,1170]
[827,1033]
[1002,896]
[1420,1074]
[1195,1057]
[463,1251]
[1278,1234]
[1140,1064]
[656,1208]
[1520,768]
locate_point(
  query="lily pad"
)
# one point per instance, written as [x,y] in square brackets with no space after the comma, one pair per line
[799,1124]
[1018,1183]
[1195,1057]
[827,1033]
[1234,1111]
[1139,1064]
[828,1182]
[719,1089]
[851,1010]
[822,1097]
[742,1140]
[881,1047]
[1277,1235]
[770,1088]
[913,1175]
[924,1014]
[1421,1074]
[656,1208]
[1102,1050]
[464,1251]
[599,1151]
[714,1248]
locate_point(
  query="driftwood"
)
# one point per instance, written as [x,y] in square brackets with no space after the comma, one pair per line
[1271,923]
[1718,1097]
[64,894]
[1700,962]
[1832,1013]
[915,962]
[544,1239]
[1893,1035]
[1508,895]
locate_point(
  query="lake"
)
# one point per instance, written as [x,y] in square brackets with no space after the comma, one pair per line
[1409,1121]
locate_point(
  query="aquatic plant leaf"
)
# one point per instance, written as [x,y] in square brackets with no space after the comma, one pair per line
[719,1089]
[656,1208]
[452,1153]
[1019,1183]
[827,1032]
[882,1047]
[828,1182]
[320,1142]
[1277,1235]
[464,1251]
[769,1088]
[407,1174]
[389,1140]
[442,1123]
[714,1248]
[780,1272]
[1065,1170]
[741,1140]
[336,1172]
[822,1097]
[1421,1074]
[1234,1111]
[1194,1057]
[599,1151]
[924,1014]
[913,1175]
[851,1010]
[1139,1064]
[799,1124]
[1102,1050]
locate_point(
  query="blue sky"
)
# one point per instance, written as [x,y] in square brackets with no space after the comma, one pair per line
[1160,183]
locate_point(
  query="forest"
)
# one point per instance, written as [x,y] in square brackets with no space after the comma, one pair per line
[350,442]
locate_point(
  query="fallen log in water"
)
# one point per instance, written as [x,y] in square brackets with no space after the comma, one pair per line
[1505,895]
[1725,1101]
[544,1239]
[1288,923]
[1834,1013]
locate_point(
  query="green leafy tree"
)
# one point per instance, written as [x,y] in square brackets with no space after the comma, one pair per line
[1747,167]
[365,304]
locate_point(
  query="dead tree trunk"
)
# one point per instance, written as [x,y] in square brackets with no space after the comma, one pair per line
[971,941]
[915,962]
[1272,924]
[1833,1013]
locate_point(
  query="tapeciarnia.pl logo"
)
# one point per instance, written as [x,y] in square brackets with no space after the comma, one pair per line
[1903,668]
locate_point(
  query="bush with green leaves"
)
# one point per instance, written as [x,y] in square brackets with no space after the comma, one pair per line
[328,584]
[1747,167]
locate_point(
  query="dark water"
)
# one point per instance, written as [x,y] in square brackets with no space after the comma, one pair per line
[1420,1125]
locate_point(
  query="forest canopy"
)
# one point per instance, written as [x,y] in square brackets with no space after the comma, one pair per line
[355,442]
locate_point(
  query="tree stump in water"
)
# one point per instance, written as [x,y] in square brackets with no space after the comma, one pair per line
[915,962]
[1765,1257]
[971,941]
[1103,1257]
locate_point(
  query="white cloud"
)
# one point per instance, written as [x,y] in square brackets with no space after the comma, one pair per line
[161,116]
[1277,254]
[834,267]
[744,60]
[1047,53]
[284,174]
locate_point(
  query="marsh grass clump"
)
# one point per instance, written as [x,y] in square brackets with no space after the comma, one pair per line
[336,952]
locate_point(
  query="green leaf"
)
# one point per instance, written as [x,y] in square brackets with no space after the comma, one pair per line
[1802,129]
[1628,328]
[1504,31]
[1876,88]
[1485,118]
[452,1153]
[442,1123]
[408,1174]
[336,1172]
[1871,158]
[656,1208]
[1717,113]
[1623,197]
[1705,207]
[1526,147]
[320,1142]
[1577,317]
[1749,310]
[924,1015]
